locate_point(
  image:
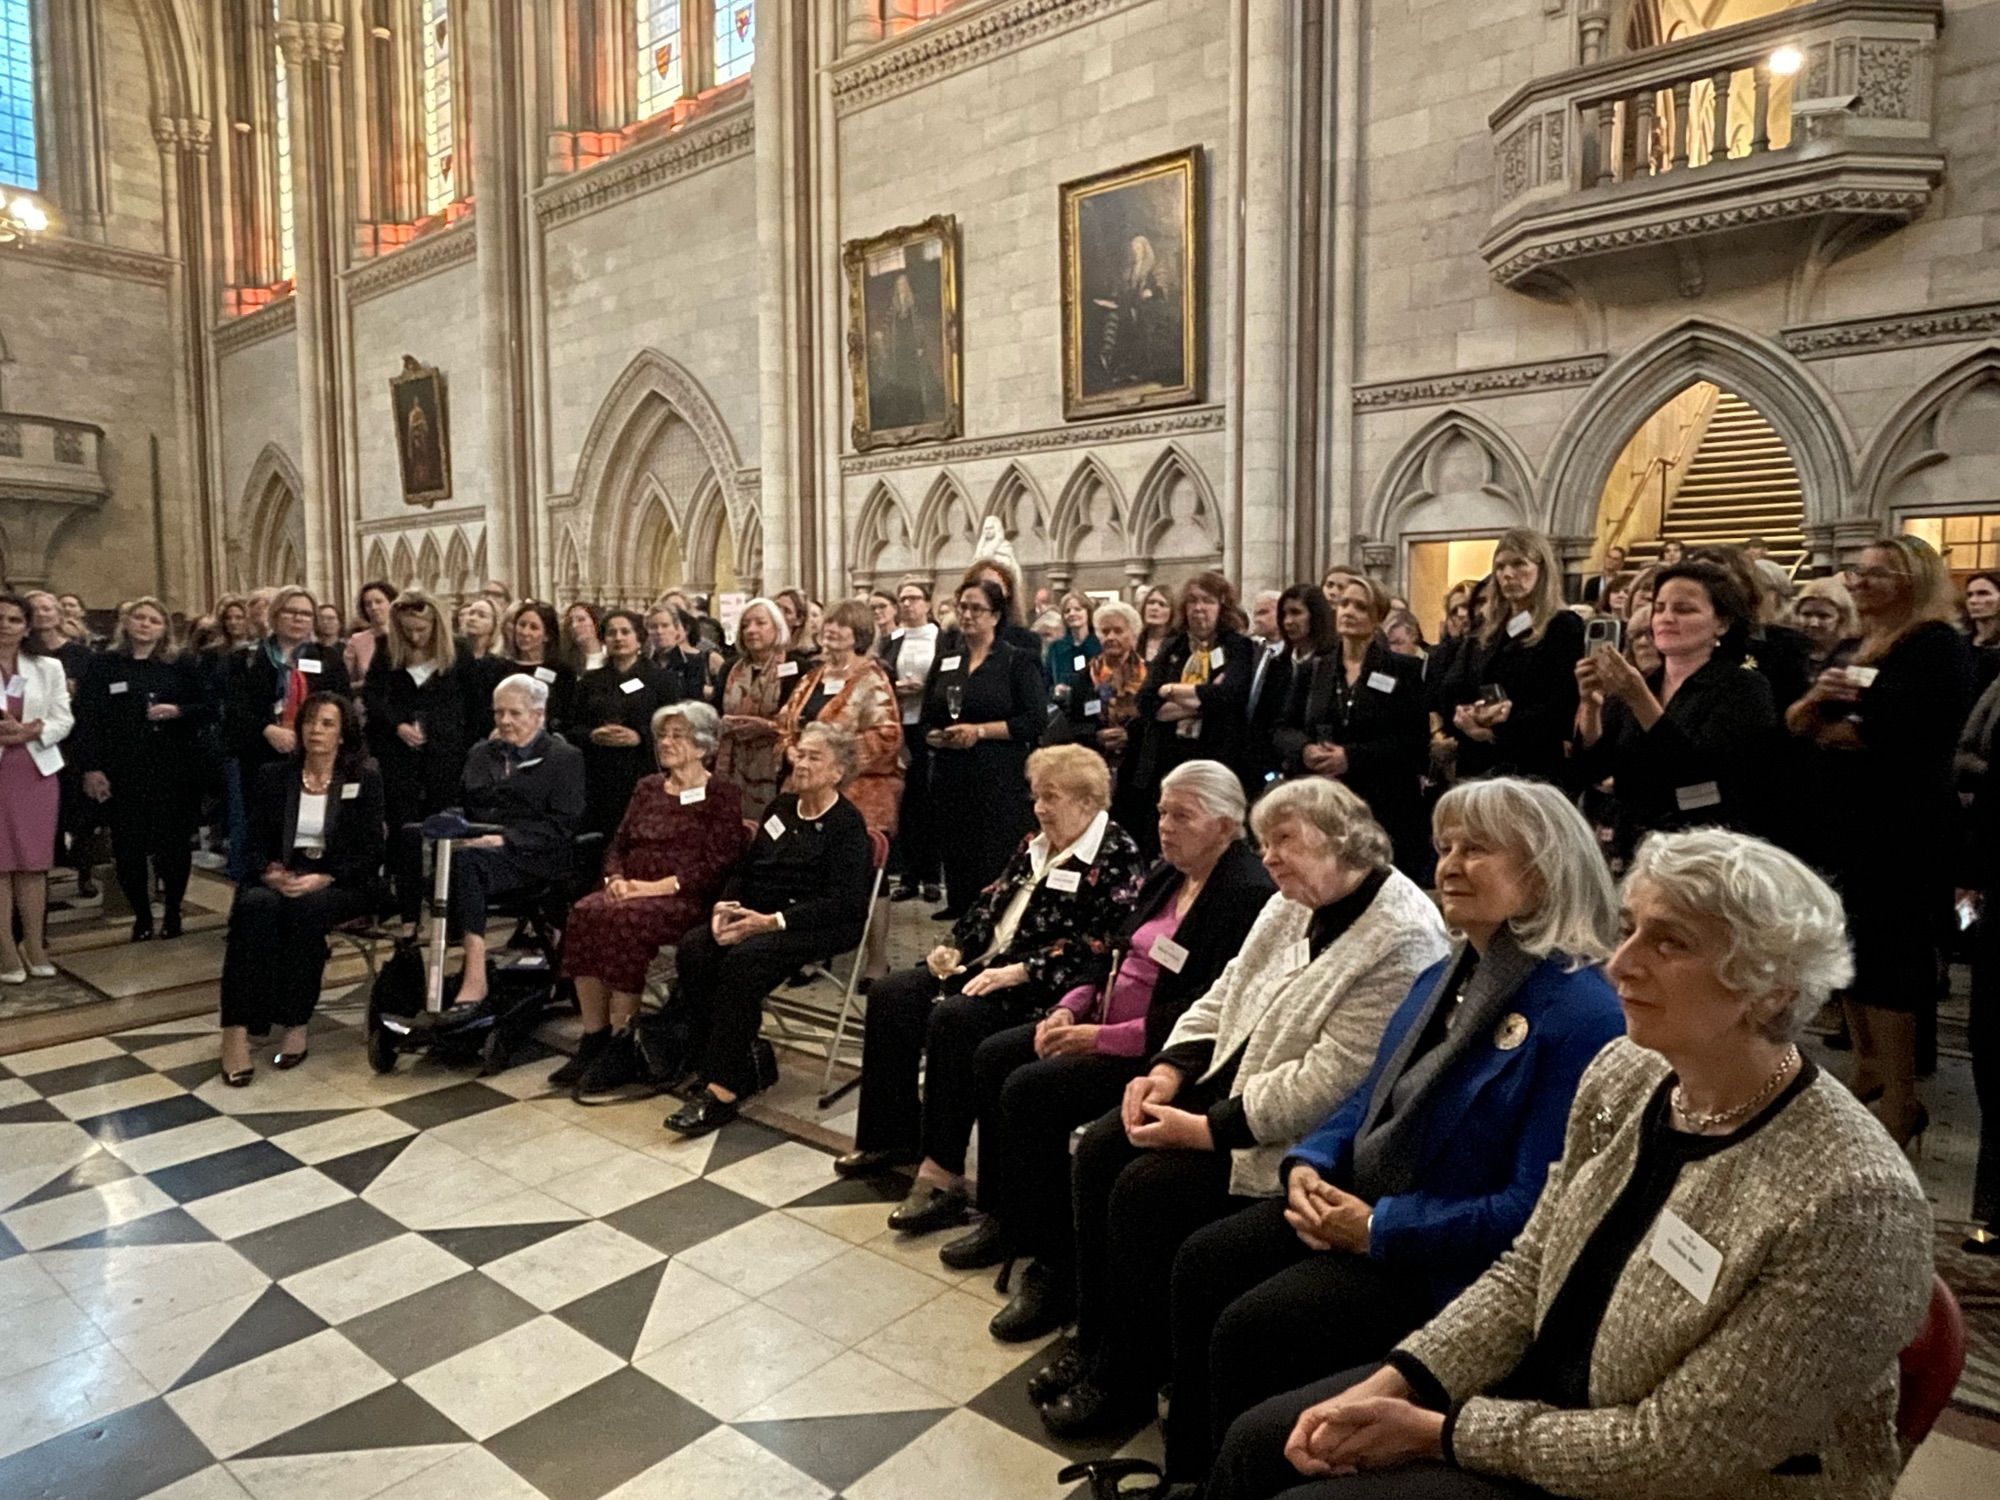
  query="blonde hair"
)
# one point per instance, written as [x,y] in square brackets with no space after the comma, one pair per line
[441,652]
[121,642]
[1931,595]
[1575,912]
[1830,591]
[478,601]
[1378,597]
[1331,808]
[1546,602]
[1073,771]
[775,615]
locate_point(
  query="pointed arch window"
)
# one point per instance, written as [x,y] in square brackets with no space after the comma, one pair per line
[662,56]
[683,48]
[440,121]
[18,162]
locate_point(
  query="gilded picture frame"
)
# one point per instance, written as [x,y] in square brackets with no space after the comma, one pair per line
[1134,272]
[423,432]
[903,351]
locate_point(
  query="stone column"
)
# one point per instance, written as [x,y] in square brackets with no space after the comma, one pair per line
[184,145]
[78,137]
[784,447]
[1343,312]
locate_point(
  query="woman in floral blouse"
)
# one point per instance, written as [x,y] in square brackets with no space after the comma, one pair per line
[753,753]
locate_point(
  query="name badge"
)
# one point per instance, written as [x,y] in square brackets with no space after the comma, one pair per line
[950,664]
[1068,881]
[350,791]
[775,827]
[1168,954]
[832,684]
[1701,794]
[527,763]
[17,686]
[693,795]
[1382,682]
[630,685]
[1685,1256]
[545,674]
[788,669]
[1092,707]
[1297,956]
[310,665]
[1079,664]
[118,689]
[1215,661]
[1521,624]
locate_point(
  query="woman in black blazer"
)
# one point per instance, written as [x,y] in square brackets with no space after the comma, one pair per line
[614,719]
[1037,1082]
[531,643]
[1527,646]
[1357,715]
[418,713]
[1192,705]
[316,848]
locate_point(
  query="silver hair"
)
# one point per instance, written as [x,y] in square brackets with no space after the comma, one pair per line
[779,628]
[1118,609]
[1576,910]
[532,688]
[704,724]
[1784,932]
[839,744]
[1340,817]
[1217,788]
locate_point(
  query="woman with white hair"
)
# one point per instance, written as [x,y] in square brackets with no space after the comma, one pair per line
[760,679]
[1424,1175]
[1036,1082]
[1710,1297]
[1283,1036]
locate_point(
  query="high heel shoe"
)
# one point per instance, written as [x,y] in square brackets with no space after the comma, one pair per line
[170,924]
[240,1079]
[284,1062]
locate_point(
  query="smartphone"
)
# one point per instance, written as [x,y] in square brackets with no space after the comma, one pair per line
[1492,695]
[1605,630]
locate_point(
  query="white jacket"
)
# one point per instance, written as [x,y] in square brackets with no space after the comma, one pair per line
[46,697]
[1308,1036]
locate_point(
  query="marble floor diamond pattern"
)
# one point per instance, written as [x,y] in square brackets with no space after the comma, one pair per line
[338,1286]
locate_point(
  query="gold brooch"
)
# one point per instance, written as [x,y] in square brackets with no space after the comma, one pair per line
[1511,1032]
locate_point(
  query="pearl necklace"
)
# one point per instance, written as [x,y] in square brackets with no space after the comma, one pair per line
[1708,1122]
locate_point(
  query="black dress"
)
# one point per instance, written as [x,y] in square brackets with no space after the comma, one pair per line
[1157,746]
[1379,719]
[557,677]
[1540,679]
[418,780]
[980,803]
[257,694]
[608,695]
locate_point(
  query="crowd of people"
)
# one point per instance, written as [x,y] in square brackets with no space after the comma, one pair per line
[1383,1055]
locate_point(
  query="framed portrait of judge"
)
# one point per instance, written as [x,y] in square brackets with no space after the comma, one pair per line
[423,434]
[1133,271]
[903,335]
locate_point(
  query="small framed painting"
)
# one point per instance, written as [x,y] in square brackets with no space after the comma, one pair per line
[903,335]
[423,437]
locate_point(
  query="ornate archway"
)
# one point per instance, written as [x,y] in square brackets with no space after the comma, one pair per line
[272,546]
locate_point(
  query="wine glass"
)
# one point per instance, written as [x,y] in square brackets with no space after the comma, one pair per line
[954,700]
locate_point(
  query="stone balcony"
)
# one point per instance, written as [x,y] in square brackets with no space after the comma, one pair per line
[1704,137]
[51,471]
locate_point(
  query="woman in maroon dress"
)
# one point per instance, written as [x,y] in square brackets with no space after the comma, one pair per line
[682,833]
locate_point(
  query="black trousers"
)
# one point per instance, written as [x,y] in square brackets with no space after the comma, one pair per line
[158,825]
[276,954]
[1134,1208]
[481,876]
[1253,1466]
[908,1026]
[979,816]
[724,990]
[1983,1036]
[1028,1107]
[1255,1314]
[916,838]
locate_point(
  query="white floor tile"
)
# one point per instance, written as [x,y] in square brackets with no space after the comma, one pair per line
[507,1379]
[848,1385]
[965,1455]
[777,1176]
[739,1359]
[169,1148]
[255,1401]
[559,1155]
[337,1476]
[38,1404]
[44,1224]
[570,1265]
[494,1129]
[684,1301]
[23,1282]
[343,1136]
[164,1352]
[722,1465]
[212,1483]
[138,1286]
[855,1294]
[371,1278]
[260,1205]
[468,1474]
[68,1055]
[50,1329]
[127,1093]
[762,1254]
[617,1182]
[945,1345]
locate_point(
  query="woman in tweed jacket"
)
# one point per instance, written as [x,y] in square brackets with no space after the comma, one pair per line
[1712,1292]
[1287,1032]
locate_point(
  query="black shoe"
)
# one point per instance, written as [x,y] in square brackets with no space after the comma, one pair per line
[1045,1301]
[240,1079]
[1087,1409]
[947,915]
[170,924]
[701,1114]
[1106,1478]
[284,1062]
[928,1209]
[1062,1371]
[615,1067]
[799,980]
[687,1086]
[903,893]
[588,1046]
[933,893]
[985,1246]
[142,931]
[871,1163]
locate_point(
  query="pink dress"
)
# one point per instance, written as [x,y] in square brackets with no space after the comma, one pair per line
[28,801]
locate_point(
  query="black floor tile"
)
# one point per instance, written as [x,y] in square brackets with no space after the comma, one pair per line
[274,1320]
[1006,1402]
[442,1106]
[34,1112]
[615,1315]
[839,1450]
[743,1140]
[9,1246]
[482,1244]
[152,1039]
[314,1239]
[393,1417]
[170,1226]
[87,1075]
[95,1170]
[358,1170]
[588,1444]
[276,1122]
[845,1192]
[129,1454]
[237,1167]
[429,1327]
[686,1216]
[150,1119]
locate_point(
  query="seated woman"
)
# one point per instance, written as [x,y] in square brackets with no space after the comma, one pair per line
[1037,1082]
[1423,1177]
[799,895]
[1711,1294]
[1033,935]
[530,782]
[316,849]
[1281,1038]
[662,872]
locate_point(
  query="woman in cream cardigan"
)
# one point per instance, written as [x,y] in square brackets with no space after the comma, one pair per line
[1288,1031]
[1711,1295]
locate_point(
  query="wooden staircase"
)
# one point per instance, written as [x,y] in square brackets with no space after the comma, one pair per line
[1741,483]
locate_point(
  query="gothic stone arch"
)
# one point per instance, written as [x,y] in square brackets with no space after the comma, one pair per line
[273,526]
[1940,449]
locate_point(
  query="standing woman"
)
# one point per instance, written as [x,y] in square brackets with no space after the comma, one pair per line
[798,623]
[233,620]
[908,654]
[479,629]
[614,716]
[415,701]
[695,670]
[1159,622]
[1824,614]
[752,754]
[34,717]
[1982,615]
[58,634]
[1100,715]
[1067,658]
[1192,705]
[1527,648]
[1886,727]
[583,644]
[529,638]
[371,633]
[327,627]
[984,710]
[140,711]
[1003,577]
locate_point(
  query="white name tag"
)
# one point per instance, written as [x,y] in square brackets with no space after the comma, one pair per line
[775,827]
[1297,956]
[527,763]
[1685,1256]
[693,795]
[1065,880]
[1079,664]
[1382,682]
[118,689]
[788,669]
[630,685]
[545,674]
[350,791]
[1702,794]
[950,664]
[1092,707]
[1521,624]
[1215,661]
[832,684]
[1168,954]
[310,665]
[17,686]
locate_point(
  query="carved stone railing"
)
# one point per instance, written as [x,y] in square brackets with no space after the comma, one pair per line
[1705,136]
[51,471]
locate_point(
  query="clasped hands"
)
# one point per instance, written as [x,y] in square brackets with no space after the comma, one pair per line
[1325,760]
[944,961]
[618,888]
[1151,1120]
[731,923]
[616,736]
[287,883]
[1477,721]
[1373,1425]
[14,732]
[1060,1034]
[1323,1216]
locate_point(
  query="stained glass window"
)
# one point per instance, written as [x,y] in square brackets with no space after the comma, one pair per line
[662,67]
[735,38]
[281,113]
[440,139]
[17,96]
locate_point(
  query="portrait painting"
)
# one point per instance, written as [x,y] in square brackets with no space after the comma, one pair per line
[1132,272]
[902,335]
[423,438]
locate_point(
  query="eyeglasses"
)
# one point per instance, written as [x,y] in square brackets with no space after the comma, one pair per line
[974,609]
[1874,575]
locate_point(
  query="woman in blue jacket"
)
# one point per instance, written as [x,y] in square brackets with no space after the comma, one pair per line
[1429,1170]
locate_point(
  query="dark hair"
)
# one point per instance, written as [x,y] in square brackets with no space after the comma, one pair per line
[374,586]
[1990,575]
[992,593]
[552,641]
[1725,595]
[632,617]
[1320,634]
[28,646]
[1010,611]
[1218,587]
[353,752]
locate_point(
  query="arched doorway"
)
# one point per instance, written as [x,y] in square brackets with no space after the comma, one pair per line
[273,548]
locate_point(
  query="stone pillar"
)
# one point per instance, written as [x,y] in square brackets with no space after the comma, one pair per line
[197,567]
[864,22]
[78,137]
[1342,313]
[784,449]
[1593,24]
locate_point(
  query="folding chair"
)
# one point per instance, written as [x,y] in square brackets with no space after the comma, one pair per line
[801,1017]
[1929,1367]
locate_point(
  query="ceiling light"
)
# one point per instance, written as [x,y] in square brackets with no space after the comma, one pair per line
[1787,61]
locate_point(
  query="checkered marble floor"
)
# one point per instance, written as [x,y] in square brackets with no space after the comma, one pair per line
[422,1286]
